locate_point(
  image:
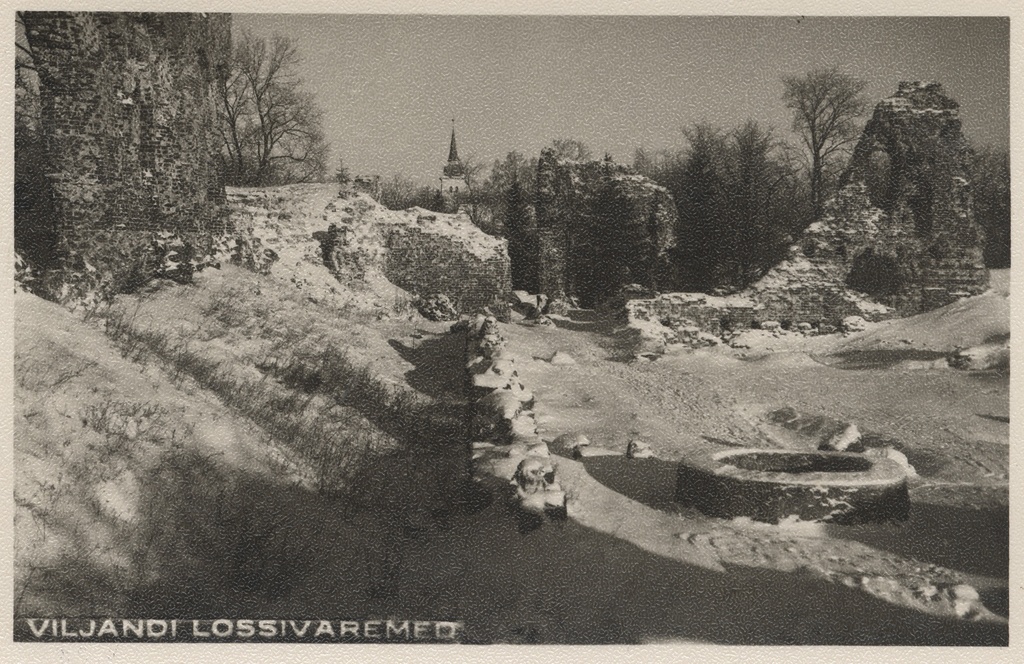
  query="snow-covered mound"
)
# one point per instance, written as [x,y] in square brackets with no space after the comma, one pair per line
[967,323]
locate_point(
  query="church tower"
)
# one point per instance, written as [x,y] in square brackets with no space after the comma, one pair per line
[453,177]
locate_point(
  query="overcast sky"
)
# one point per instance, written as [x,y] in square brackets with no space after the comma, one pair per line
[389,85]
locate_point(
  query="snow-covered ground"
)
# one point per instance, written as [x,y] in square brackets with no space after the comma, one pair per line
[952,425]
[143,486]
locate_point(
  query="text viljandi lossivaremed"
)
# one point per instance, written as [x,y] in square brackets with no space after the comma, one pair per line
[224,629]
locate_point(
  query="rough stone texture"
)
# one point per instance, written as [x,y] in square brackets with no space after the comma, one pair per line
[599,226]
[429,253]
[774,486]
[707,312]
[512,454]
[367,184]
[129,121]
[901,229]
[898,238]
[437,308]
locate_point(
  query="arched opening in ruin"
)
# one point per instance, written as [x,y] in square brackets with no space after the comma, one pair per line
[878,179]
[876,274]
[923,200]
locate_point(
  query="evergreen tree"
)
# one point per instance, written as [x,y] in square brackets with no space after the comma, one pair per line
[990,180]
[342,175]
[700,205]
[521,232]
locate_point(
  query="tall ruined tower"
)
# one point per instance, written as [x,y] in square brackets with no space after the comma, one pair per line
[901,230]
[453,177]
[129,128]
[913,161]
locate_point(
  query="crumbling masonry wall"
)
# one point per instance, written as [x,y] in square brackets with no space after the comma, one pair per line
[601,226]
[902,228]
[365,244]
[423,259]
[129,122]
[709,313]
[897,239]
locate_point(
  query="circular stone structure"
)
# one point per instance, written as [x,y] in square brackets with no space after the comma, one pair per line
[774,485]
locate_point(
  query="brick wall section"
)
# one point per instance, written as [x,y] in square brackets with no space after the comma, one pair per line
[817,305]
[425,262]
[601,226]
[129,120]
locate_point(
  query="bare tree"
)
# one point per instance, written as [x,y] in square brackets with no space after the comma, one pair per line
[826,104]
[26,80]
[24,58]
[473,170]
[271,128]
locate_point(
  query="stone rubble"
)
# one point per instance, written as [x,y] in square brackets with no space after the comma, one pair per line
[437,307]
[897,239]
[830,435]
[561,358]
[637,449]
[505,445]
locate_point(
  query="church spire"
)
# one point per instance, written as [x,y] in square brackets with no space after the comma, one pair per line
[453,168]
[453,152]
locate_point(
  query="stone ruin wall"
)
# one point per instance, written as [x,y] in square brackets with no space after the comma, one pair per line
[508,458]
[367,184]
[426,262]
[899,238]
[601,226]
[422,252]
[372,249]
[817,304]
[707,312]
[914,162]
[901,229]
[129,122]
